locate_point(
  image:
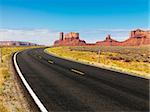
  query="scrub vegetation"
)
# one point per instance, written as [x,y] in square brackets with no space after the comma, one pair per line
[8,93]
[135,60]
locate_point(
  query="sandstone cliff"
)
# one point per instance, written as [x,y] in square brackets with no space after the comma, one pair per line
[70,39]
[137,37]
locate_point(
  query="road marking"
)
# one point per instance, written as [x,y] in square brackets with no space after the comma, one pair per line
[50,61]
[76,71]
[40,57]
[31,92]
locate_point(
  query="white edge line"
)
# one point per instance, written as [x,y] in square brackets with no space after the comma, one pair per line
[35,98]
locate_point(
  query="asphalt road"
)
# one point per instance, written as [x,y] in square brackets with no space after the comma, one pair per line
[63,85]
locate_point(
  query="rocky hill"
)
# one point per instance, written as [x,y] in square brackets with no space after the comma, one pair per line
[70,39]
[16,43]
[137,37]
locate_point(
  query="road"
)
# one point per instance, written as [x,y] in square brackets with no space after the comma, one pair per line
[63,85]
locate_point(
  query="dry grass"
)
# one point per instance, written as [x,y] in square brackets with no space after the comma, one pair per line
[3,108]
[119,58]
[4,66]
[6,80]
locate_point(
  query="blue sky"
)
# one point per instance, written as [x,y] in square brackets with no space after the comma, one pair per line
[93,19]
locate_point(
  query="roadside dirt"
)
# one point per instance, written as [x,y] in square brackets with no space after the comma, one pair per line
[14,96]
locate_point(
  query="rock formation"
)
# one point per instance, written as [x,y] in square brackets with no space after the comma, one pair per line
[70,39]
[137,37]
[16,43]
[107,42]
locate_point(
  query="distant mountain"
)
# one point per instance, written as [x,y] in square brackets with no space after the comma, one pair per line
[137,37]
[16,43]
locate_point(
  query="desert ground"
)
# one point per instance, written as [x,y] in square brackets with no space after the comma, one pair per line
[132,59]
[12,98]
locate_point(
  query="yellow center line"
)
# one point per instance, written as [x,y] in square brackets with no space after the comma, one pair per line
[76,71]
[50,61]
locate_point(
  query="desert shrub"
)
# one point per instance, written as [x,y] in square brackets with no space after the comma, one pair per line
[127,54]
[3,108]
[122,58]
[5,72]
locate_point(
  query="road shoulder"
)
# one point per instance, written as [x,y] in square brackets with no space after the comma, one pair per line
[14,97]
[96,65]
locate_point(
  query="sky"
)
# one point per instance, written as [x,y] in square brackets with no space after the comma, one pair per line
[40,21]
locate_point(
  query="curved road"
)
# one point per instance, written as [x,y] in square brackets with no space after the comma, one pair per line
[63,85]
